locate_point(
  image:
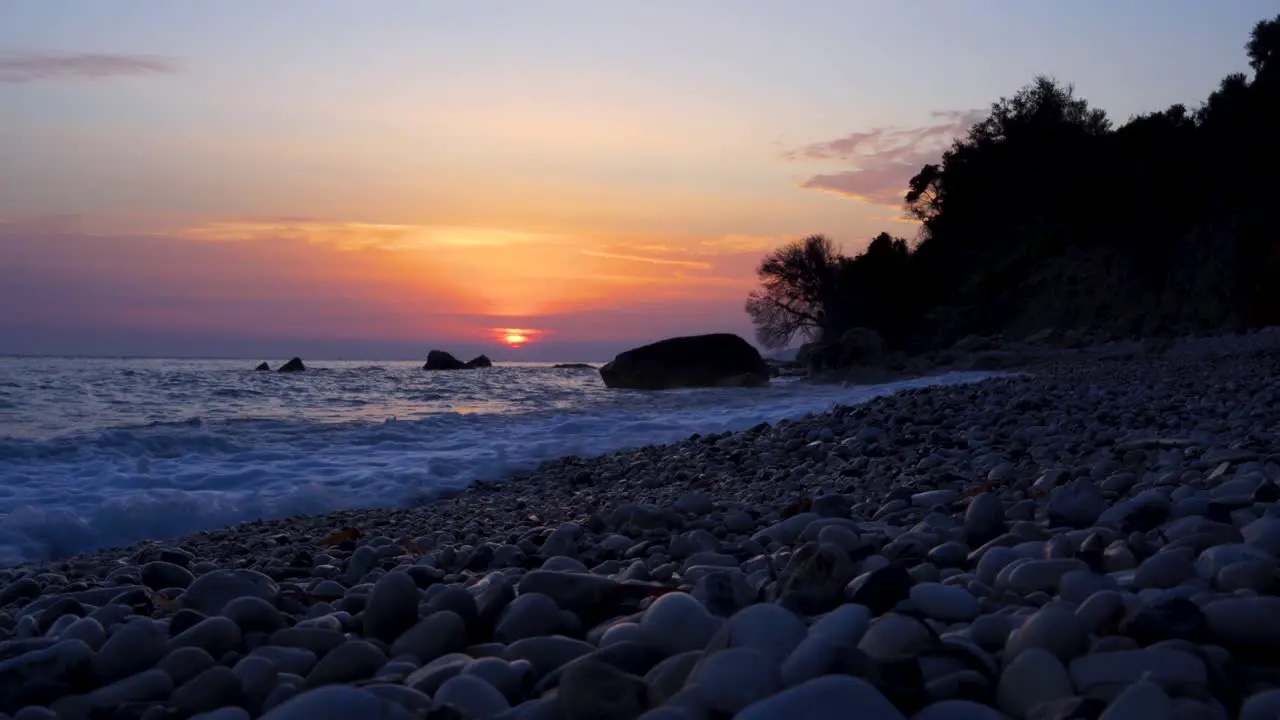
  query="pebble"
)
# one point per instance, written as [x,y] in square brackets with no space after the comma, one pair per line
[1034,677]
[212,590]
[472,696]
[832,697]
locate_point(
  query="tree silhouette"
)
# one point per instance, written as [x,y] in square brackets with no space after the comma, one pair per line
[798,286]
[1046,213]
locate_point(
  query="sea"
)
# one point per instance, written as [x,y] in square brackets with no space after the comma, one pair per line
[98,453]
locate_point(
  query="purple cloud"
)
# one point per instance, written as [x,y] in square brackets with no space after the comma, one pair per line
[883,159]
[33,66]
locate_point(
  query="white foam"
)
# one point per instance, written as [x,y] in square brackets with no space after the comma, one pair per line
[87,490]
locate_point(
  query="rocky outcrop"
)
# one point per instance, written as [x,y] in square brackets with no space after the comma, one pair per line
[263,367]
[856,348]
[294,365]
[441,360]
[716,360]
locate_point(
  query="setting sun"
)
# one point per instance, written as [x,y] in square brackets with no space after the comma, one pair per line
[514,337]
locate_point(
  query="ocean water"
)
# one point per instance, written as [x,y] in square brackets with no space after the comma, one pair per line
[99,452]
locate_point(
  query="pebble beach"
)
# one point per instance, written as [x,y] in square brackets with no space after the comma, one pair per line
[1088,539]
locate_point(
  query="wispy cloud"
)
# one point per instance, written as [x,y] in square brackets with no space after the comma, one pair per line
[654,260]
[24,66]
[883,159]
[359,236]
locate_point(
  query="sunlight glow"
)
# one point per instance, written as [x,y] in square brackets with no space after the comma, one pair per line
[514,337]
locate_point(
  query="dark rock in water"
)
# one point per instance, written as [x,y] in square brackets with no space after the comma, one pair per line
[441,360]
[263,367]
[294,365]
[717,360]
[573,366]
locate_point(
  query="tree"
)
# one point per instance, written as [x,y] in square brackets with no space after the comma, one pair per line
[799,288]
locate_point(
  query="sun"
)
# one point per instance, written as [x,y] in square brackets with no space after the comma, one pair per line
[514,337]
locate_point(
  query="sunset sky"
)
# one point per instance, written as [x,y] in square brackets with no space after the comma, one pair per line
[330,178]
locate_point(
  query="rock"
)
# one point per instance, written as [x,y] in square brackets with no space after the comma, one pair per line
[677,622]
[880,590]
[1054,629]
[338,701]
[186,663]
[258,676]
[499,673]
[441,632]
[263,367]
[217,635]
[1245,624]
[472,696]
[1262,706]
[892,635]
[132,648]
[294,365]
[253,614]
[351,661]
[211,591]
[729,680]
[1141,699]
[146,686]
[43,674]
[1106,675]
[695,361]
[856,348]
[768,628]
[984,518]
[832,697]
[814,577]
[573,366]
[945,602]
[529,615]
[1035,676]
[589,596]
[1076,504]
[392,606]
[593,689]
[958,710]
[210,690]
[1166,569]
[295,660]
[159,575]
[1167,619]
[441,360]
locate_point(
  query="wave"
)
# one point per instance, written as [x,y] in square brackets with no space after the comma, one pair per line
[80,491]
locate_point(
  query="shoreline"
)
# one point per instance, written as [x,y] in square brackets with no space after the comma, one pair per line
[1128,490]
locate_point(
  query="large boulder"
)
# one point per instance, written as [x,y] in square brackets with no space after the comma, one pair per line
[441,360]
[294,365]
[263,367]
[717,360]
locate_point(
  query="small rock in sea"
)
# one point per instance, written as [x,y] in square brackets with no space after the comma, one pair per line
[294,365]
[263,367]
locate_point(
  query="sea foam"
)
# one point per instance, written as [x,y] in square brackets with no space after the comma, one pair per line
[173,449]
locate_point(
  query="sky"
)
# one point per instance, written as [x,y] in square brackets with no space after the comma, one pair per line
[552,180]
